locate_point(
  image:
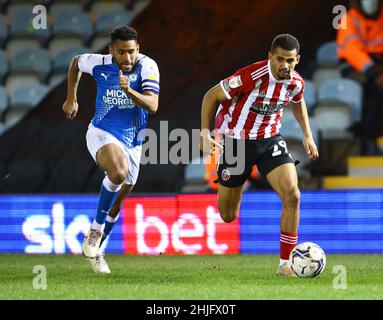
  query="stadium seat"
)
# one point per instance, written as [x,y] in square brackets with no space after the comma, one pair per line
[57,45]
[310,95]
[99,43]
[57,8]
[13,116]
[194,180]
[323,74]
[32,60]
[3,100]
[3,31]
[326,54]
[14,46]
[23,7]
[345,91]
[333,120]
[292,132]
[110,20]
[101,7]
[72,24]
[21,16]
[28,96]
[15,81]
[3,66]
[63,59]
[55,78]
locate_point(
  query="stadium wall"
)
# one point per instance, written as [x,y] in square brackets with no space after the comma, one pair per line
[339,221]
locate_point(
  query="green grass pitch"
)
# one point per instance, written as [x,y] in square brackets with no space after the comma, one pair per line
[232,277]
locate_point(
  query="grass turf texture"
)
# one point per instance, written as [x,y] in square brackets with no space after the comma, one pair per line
[234,277]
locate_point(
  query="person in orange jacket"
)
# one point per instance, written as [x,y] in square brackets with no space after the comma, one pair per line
[360,49]
[211,175]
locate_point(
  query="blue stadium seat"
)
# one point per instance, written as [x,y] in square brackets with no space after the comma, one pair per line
[57,8]
[28,96]
[310,95]
[14,46]
[13,116]
[56,45]
[326,54]
[333,120]
[291,130]
[3,66]
[62,60]
[3,31]
[16,80]
[110,20]
[56,78]
[21,16]
[3,100]
[32,60]
[100,42]
[101,7]
[345,91]
[73,24]
[323,74]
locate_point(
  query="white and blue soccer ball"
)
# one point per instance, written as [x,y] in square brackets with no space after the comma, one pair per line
[307,260]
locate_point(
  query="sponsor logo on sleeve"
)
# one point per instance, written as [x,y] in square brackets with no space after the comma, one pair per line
[235,82]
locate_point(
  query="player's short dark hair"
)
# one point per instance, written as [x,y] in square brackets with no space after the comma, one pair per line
[286,42]
[125,33]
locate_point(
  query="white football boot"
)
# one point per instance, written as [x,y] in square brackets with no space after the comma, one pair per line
[91,243]
[99,264]
[285,270]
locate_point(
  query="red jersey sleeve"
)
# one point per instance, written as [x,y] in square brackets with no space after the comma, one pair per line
[297,95]
[237,84]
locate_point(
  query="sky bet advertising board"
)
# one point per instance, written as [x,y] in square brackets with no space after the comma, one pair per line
[338,221]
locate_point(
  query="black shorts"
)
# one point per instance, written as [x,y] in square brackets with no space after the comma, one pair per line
[267,154]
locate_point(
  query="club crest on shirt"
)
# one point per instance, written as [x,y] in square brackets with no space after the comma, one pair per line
[289,93]
[132,77]
[225,175]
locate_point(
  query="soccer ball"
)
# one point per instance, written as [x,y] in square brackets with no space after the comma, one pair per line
[307,260]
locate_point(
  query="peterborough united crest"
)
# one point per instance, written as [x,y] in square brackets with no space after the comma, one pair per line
[225,175]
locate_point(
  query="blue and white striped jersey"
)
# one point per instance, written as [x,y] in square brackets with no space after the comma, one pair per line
[116,112]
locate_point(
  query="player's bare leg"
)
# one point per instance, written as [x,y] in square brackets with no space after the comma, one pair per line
[112,160]
[229,202]
[118,202]
[284,181]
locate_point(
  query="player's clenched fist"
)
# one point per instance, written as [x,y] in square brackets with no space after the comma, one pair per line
[124,82]
[70,108]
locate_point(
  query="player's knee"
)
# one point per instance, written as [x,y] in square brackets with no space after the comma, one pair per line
[227,214]
[292,198]
[118,176]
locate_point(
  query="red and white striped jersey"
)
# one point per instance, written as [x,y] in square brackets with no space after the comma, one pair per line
[255,101]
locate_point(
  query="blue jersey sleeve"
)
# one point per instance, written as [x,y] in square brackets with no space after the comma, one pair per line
[150,76]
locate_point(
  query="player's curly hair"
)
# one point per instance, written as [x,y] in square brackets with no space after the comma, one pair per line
[124,33]
[286,42]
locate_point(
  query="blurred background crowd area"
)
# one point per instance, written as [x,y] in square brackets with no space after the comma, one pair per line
[196,44]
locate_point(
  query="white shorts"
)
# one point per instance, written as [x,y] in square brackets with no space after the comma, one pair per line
[97,138]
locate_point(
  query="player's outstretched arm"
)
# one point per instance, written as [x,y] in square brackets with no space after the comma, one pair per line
[300,113]
[70,106]
[147,100]
[209,103]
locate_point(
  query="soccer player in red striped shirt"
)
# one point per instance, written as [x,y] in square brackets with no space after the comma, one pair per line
[251,103]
